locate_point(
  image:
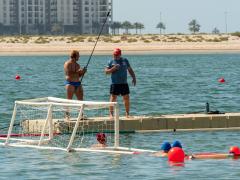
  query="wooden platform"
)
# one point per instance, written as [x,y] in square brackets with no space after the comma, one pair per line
[148,123]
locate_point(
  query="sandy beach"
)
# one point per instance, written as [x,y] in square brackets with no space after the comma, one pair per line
[145,44]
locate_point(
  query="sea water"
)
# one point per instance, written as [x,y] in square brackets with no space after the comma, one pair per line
[166,84]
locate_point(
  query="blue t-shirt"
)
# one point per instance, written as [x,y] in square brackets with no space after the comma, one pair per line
[119,76]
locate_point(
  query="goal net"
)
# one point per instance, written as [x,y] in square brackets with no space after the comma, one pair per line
[70,125]
[62,124]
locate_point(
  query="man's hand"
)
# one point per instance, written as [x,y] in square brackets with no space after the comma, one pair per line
[115,67]
[134,82]
[84,70]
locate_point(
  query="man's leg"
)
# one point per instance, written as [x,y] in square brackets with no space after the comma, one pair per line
[70,91]
[126,102]
[79,93]
[113,98]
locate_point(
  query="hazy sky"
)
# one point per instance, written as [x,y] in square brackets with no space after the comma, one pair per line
[176,14]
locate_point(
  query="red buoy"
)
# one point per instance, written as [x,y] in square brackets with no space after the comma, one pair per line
[221,80]
[176,154]
[17,77]
[235,150]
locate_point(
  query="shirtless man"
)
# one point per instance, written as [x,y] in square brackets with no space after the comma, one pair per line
[73,73]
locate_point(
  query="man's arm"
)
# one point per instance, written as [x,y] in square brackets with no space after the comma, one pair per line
[81,72]
[131,72]
[112,69]
[67,69]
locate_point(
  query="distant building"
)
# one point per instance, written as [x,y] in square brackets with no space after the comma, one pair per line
[54,16]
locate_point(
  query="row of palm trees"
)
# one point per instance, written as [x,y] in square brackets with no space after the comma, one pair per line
[193,26]
[127,26]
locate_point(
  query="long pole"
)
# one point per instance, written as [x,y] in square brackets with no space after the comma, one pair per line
[226,28]
[96,43]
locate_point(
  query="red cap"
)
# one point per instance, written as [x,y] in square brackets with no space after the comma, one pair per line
[234,150]
[117,52]
[101,138]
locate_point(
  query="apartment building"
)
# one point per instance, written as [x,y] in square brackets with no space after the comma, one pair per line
[54,16]
[9,15]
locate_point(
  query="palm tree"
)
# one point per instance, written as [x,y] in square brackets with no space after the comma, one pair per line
[216,31]
[127,25]
[118,26]
[161,27]
[115,26]
[140,27]
[136,26]
[194,26]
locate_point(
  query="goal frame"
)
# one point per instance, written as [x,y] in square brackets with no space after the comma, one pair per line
[50,101]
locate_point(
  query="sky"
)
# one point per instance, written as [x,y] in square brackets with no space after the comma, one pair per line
[176,14]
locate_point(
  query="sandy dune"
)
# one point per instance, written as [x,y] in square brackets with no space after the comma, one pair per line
[56,47]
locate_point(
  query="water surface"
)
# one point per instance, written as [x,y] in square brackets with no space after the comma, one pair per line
[166,84]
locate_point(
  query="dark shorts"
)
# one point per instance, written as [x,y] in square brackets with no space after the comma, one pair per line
[119,89]
[75,84]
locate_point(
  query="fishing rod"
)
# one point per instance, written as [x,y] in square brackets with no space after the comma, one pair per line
[96,43]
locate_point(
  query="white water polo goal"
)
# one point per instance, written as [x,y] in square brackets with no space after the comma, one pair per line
[69,125]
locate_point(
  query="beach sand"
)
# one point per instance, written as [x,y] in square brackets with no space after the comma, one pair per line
[63,47]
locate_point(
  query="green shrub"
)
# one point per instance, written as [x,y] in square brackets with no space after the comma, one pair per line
[90,40]
[124,38]
[41,40]
[146,41]
[107,39]
[223,38]
[132,40]
[236,34]
[116,41]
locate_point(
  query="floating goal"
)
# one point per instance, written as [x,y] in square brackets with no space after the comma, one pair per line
[70,125]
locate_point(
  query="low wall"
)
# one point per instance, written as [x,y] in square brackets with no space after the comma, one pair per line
[149,123]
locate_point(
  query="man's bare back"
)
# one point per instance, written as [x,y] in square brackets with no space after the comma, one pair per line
[71,69]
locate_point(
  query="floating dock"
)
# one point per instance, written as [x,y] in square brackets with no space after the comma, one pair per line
[174,122]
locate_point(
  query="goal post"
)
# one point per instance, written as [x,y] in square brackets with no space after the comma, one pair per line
[67,124]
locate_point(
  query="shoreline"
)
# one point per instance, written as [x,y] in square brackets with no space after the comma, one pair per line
[108,53]
[59,46]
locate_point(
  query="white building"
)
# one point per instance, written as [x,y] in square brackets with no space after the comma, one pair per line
[31,15]
[94,14]
[39,16]
[8,15]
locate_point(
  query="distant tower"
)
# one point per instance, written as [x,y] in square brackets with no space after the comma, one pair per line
[225,17]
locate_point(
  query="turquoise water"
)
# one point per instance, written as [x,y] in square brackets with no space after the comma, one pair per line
[166,84]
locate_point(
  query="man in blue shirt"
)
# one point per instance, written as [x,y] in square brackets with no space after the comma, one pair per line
[118,68]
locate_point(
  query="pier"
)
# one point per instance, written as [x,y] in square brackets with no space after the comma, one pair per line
[175,122]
